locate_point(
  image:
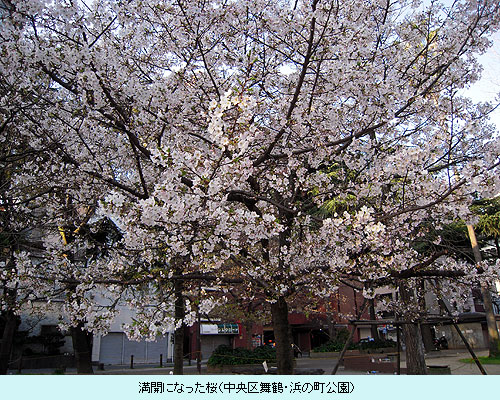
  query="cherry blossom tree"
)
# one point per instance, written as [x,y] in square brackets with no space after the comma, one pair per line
[218,129]
[21,196]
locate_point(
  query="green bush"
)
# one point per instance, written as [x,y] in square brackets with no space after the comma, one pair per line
[265,353]
[377,344]
[335,344]
[332,346]
[338,342]
[225,355]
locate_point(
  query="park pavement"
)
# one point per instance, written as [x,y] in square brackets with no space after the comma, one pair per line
[450,358]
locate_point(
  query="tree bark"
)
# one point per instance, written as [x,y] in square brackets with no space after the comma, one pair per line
[248,325]
[373,317]
[427,337]
[331,325]
[415,357]
[179,331]
[282,336]
[198,342]
[82,346]
[7,341]
[425,328]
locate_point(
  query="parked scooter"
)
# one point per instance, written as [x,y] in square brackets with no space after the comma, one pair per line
[440,343]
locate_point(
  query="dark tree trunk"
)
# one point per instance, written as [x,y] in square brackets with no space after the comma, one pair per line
[7,341]
[179,331]
[373,317]
[331,325]
[426,328]
[248,325]
[415,357]
[82,345]
[198,343]
[427,337]
[282,336]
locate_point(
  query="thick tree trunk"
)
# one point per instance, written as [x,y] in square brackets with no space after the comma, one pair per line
[426,328]
[373,317]
[282,336]
[427,337]
[331,325]
[7,341]
[415,357]
[82,346]
[179,331]
[248,325]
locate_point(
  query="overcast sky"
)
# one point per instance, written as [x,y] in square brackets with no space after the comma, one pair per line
[488,89]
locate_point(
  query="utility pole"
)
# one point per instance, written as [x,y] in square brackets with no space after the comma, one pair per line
[493,339]
[198,333]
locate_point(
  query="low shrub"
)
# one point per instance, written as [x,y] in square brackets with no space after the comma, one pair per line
[225,355]
[333,346]
[376,344]
[336,343]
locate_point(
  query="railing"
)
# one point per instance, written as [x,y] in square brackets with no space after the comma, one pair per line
[58,361]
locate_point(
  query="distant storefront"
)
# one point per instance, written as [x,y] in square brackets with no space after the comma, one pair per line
[212,335]
[116,348]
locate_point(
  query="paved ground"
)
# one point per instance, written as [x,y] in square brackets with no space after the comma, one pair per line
[444,357]
[452,357]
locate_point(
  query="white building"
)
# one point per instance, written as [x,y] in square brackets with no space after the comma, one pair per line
[116,348]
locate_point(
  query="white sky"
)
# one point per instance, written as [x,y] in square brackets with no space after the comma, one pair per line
[488,88]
